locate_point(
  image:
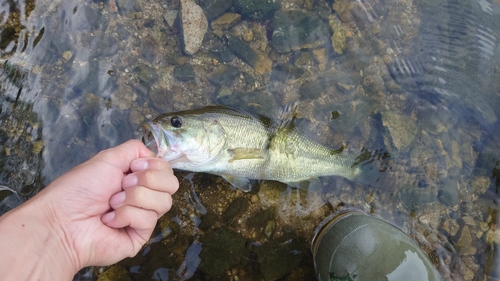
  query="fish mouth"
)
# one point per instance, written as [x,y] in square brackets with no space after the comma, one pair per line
[160,141]
[150,137]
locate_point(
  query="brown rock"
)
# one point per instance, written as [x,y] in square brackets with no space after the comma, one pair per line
[226,21]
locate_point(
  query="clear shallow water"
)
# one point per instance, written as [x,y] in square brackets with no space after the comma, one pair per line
[416,79]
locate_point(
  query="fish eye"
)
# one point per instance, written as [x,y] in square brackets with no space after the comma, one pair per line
[176,122]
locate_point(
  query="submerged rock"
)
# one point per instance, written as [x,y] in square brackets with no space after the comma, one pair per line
[224,75]
[226,21]
[221,54]
[242,50]
[215,8]
[194,26]
[295,29]
[184,72]
[255,101]
[129,6]
[339,35]
[263,222]
[449,193]
[284,71]
[414,197]
[257,9]
[236,209]
[279,257]
[340,80]
[261,63]
[147,74]
[464,243]
[311,89]
[222,249]
[401,131]
[346,116]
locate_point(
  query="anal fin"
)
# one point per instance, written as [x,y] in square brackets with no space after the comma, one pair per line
[239,182]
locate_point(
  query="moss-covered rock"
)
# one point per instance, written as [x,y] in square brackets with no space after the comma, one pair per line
[222,250]
[236,209]
[279,257]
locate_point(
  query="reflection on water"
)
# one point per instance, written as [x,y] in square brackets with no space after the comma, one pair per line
[20,137]
[415,79]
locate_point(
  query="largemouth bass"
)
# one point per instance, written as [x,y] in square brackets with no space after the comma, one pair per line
[240,146]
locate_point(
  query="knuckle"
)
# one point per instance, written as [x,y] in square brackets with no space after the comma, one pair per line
[150,176]
[160,164]
[136,196]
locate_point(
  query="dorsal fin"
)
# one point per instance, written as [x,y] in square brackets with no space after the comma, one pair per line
[286,118]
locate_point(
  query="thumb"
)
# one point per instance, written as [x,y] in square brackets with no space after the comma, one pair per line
[121,155]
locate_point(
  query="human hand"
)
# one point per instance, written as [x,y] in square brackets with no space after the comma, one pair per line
[106,208]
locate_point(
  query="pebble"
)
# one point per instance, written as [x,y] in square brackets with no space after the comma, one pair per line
[468,220]
[493,236]
[224,92]
[38,146]
[248,36]
[479,185]
[450,226]
[67,55]
[194,26]
[182,60]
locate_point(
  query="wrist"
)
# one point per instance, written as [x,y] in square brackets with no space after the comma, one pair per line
[35,246]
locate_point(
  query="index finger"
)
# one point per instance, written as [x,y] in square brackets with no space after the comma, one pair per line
[121,155]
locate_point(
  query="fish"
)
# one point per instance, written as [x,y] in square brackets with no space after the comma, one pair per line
[240,147]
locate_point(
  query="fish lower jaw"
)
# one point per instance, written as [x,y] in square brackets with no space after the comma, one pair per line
[169,155]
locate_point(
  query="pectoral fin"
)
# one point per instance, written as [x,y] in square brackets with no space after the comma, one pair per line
[241,183]
[240,153]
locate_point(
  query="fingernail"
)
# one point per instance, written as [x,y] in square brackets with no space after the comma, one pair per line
[129,181]
[107,218]
[117,199]
[139,165]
